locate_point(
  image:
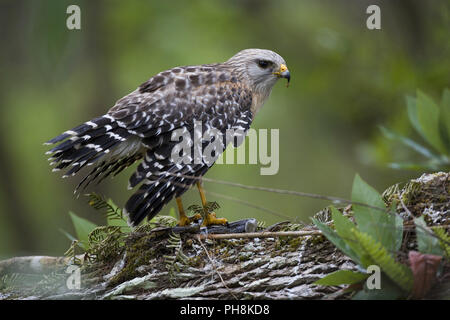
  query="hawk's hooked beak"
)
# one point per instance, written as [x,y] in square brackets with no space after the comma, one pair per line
[283,73]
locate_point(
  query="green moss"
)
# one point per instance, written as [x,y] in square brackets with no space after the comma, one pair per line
[243,258]
[411,191]
[138,253]
[294,243]
[196,261]
[318,239]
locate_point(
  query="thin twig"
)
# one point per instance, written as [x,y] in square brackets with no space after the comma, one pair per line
[264,234]
[239,201]
[248,204]
[406,208]
[214,267]
[279,191]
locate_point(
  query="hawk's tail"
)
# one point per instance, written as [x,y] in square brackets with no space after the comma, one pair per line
[158,188]
[88,144]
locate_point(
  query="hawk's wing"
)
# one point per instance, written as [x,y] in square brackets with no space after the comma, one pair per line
[175,98]
[173,101]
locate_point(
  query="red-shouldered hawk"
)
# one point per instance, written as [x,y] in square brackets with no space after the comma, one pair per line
[223,96]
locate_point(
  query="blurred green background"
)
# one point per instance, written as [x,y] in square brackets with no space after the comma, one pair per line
[346,80]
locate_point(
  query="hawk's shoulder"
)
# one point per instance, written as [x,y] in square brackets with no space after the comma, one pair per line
[196,75]
[211,93]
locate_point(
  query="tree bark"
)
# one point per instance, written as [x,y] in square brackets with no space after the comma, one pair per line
[173,263]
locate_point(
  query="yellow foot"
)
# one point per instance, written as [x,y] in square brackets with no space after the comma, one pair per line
[210,219]
[185,220]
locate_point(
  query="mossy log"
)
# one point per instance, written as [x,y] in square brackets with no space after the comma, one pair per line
[163,264]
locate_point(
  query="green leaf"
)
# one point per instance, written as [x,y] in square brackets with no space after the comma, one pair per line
[428,114]
[342,277]
[83,228]
[68,235]
[389,291]
[397,272]
[398,231]
[416,166]
[379,224]
[445,103]
[444,239]
[427,242]
[335,239]
[412,113]
[445,108]
[344,229]
[408,142]
[343,224]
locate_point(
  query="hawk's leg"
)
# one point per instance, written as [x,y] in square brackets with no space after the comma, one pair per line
[209,218]
[184,219]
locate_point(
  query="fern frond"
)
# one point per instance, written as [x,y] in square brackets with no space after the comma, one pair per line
[71,253]
[444,239]
[110,210]
[294,227]
[209,207]
[158,221]
[144,228]
[390,192]
[323,216]
[101,233]
[164,221]
[195,208]
[261,225]
[397,272]
[178,258]
[105,242]
[212,206]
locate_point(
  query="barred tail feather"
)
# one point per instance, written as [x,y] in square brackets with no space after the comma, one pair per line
[105,169]
[83,128]
[163,186]
[89,144]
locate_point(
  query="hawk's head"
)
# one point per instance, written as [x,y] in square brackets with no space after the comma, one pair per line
[262,68]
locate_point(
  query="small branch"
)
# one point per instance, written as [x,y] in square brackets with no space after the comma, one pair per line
[250,235]
[406,208]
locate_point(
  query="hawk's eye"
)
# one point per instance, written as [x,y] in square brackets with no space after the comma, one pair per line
[263,63]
